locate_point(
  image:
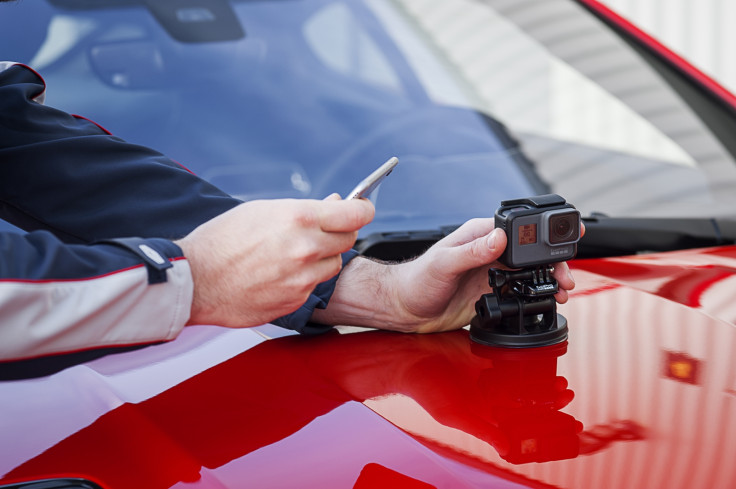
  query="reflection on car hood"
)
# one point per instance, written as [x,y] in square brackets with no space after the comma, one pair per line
[642,395]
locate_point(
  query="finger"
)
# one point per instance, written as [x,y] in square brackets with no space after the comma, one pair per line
[319,245]
[336,243]
[561,296]
[479,252]
[344,215]
[318,272]
[563,276]
[329,267]
[469,231]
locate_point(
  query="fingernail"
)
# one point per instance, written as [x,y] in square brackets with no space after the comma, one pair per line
[570,277]
[493,239]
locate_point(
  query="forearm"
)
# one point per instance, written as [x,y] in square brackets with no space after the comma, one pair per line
[366,295]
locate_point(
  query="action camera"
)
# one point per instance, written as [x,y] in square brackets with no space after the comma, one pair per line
[540,230]
[521,311]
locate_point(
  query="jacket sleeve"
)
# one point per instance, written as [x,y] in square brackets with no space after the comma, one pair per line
[59,298]
[66,175]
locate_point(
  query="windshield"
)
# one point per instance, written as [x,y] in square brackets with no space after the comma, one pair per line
[481,102]
[602,127]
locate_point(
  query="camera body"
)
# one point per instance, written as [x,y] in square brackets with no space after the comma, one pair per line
[540,230]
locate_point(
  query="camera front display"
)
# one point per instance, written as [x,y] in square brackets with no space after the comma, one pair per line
[527,234]
[539,230]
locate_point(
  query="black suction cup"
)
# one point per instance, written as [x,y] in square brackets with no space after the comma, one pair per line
[500,337]
[521,312]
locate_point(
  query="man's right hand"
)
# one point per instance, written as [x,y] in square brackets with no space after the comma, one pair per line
[262,259]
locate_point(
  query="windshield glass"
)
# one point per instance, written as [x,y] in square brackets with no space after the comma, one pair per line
[602,127]
[481,101]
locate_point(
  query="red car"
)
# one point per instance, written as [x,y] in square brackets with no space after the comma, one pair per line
[482,102]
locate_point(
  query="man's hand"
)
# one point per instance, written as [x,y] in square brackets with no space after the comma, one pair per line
[262,259]
[440,288]
[435,292]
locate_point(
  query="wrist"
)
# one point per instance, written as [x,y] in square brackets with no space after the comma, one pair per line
[367,295]
[197,311]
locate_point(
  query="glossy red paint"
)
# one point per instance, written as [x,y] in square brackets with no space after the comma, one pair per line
[374,408]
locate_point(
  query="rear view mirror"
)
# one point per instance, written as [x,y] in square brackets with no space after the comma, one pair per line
[128,65]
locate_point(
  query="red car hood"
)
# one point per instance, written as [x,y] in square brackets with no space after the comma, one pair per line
[643,394]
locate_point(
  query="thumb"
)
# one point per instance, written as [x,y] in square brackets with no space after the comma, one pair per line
[496,243]
[333,196]
[482,251]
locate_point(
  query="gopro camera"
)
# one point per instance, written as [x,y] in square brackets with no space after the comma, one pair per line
[539,230]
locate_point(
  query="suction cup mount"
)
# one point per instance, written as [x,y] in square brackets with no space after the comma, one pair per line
[521,312]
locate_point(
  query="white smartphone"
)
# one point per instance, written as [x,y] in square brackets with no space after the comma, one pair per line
[369,183]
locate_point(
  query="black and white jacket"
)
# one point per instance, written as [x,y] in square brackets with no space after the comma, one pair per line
[98,266]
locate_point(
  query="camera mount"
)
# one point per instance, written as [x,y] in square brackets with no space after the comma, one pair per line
[521,312]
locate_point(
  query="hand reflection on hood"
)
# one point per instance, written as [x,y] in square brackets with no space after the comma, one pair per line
[508,398]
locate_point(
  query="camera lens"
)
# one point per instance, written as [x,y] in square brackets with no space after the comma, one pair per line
[563,228]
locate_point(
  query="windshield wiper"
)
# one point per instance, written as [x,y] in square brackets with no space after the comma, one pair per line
[604,236]
[615,236]
[400,245]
